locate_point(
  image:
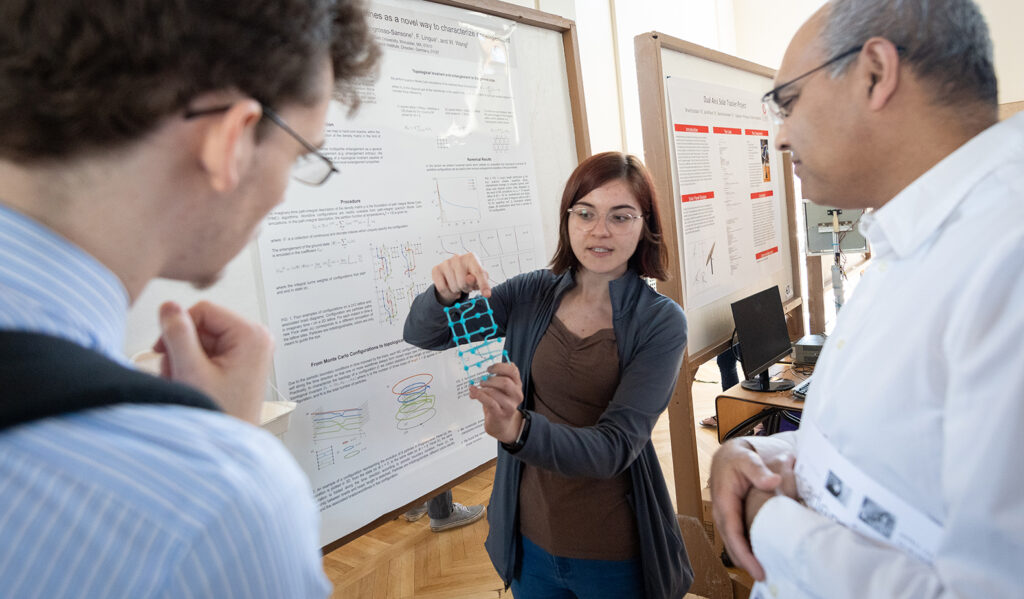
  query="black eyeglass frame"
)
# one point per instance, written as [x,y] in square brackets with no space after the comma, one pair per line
[271,114]
[771,99]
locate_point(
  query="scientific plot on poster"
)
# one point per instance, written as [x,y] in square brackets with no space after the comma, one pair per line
[503,252]
[338,433]
[458,200]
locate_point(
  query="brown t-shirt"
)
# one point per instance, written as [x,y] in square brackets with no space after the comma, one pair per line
[587,518]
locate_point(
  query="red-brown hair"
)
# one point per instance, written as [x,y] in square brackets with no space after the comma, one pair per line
[651,255]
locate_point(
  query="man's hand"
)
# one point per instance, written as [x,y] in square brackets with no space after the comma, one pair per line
[783,465]
[736,469]
[218,352]
[500,396]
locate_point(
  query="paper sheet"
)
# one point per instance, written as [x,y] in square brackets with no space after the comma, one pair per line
[833,486]
[728,181]
[435,163]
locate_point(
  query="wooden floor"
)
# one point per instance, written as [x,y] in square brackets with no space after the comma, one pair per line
[405,559]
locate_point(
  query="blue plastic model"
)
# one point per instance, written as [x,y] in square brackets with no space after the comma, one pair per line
[475,333]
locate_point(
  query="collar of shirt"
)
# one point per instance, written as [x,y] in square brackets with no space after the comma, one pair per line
[911,218]
[49,285]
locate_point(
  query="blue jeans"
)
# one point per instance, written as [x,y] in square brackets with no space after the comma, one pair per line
[727,369]
[545,576]
[440,506]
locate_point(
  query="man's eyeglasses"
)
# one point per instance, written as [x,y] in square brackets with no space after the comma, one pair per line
[312,168]
[617,221]
[780,108]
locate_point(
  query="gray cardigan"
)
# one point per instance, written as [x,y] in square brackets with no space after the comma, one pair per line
[650,332]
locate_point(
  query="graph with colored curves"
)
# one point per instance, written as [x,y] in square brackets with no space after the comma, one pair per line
[458,199]
[416,404]
[395,259]
[338,433]
[398,279]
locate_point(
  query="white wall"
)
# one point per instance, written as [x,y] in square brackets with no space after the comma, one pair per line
[562,8]
[606,29]
[695,21]
[755,30]
[1005,22]
[595,28]
[763,29]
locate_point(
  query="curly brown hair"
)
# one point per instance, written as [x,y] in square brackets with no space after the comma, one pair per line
[78,76]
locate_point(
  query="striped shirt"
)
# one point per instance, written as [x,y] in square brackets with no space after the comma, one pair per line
[136,500]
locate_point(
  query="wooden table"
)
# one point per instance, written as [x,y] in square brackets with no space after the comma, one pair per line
[736,404]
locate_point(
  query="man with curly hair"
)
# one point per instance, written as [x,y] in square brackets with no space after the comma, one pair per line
[148,139]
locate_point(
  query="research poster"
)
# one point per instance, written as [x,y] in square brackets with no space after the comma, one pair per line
[433,164]
[728,185]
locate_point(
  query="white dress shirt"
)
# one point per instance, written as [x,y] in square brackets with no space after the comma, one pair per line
[921,386]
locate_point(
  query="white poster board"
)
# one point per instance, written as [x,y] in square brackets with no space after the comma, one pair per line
[463,143]
[437,162]
[731,202]
[751,216]
[725,197]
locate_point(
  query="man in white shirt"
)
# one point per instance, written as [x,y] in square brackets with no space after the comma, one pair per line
[918,398]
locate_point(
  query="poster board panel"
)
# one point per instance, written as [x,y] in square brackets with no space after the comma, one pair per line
[316,276]
[659,59]
[731,82]
[470,138]
[1008,109]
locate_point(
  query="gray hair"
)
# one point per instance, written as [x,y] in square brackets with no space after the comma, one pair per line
[945,42]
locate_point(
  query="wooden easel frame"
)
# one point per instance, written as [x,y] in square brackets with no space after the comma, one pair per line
[658,157]
[570,44]
[1008,109]
[819,283]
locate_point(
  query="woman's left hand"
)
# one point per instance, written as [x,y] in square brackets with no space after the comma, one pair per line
[500,396]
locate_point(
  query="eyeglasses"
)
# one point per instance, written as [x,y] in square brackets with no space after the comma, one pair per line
[780,109]
[312,168]
[617,221]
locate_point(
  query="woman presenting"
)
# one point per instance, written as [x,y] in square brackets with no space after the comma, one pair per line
[579,506]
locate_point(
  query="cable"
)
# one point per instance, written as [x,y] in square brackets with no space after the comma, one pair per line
[842,254]
[743,428]
[805,370]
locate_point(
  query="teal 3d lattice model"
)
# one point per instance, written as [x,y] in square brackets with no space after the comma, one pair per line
[476,335]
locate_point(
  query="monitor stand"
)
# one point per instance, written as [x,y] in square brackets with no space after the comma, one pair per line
[767,385]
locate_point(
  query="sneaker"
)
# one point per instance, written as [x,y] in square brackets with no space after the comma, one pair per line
[416,513]
[461,515]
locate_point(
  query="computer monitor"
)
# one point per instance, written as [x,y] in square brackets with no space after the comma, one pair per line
[763,338]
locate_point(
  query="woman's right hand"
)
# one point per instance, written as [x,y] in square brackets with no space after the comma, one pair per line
[457,275]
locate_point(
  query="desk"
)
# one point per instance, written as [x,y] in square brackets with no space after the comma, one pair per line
[736,404]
